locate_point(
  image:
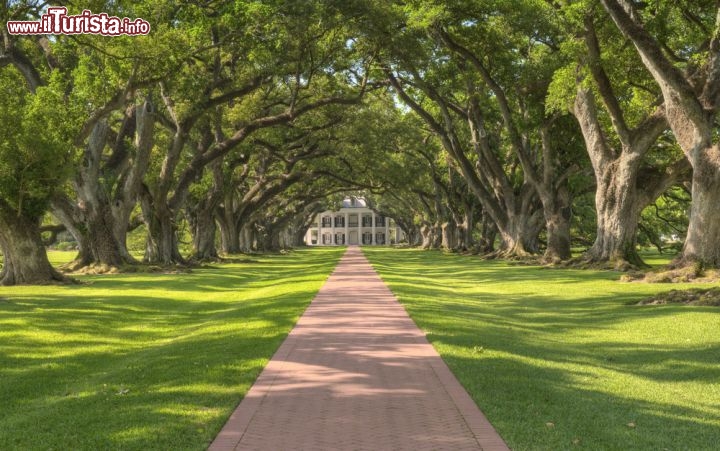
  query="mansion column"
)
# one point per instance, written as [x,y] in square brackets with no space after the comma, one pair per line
[332,224]
[372,241]
[347,232]
[320,229]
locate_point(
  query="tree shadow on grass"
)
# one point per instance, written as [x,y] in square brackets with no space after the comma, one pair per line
[532,349]
[598,418]
[69,379]
[117,364]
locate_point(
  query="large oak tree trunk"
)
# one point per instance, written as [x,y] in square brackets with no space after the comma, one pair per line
[25,258]
[203,229]
[98,223]
[299,238]
[122,212]
[557,214]
[229,230]
[449,235]
[618,214]
[161,246]
[201,215]
[93,211]
[126,198]
[428,236]
[488,235]
[247,238]
[103,247]
[703,236]
[509,206]
[271,240]
[617,174]
[287,239]
[691,105]
[229,236]
[465,237]
[94,228]
[519,235]
[558,235]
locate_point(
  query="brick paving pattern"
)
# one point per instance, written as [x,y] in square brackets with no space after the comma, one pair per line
[356,374]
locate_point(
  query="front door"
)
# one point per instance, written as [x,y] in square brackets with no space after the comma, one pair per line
[353,237]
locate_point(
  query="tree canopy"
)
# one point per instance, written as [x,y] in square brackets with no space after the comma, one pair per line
[503,128]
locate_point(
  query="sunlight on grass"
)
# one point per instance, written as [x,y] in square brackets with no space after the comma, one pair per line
[144,361]
[58,258]
[563,359]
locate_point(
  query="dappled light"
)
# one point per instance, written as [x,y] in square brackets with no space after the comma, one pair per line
[534,345]
[175,190]
[173,354]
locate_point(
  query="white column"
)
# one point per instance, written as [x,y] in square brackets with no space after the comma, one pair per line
[319,231]
[347,232]
[387,231]
[372,241]
[332,223]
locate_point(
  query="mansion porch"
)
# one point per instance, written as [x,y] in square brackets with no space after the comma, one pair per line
[353,224]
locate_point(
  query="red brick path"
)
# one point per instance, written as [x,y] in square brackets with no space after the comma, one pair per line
[356,373]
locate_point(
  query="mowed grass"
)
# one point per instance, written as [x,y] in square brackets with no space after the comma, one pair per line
[144,361]
[563,359]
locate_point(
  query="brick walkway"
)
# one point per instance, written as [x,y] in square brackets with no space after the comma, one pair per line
[356,373]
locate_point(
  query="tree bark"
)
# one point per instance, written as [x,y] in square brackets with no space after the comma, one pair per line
[99,246]
[130,184]
[488,235]
[465,230]
[430,237]
[691,112]
[624,186]
[618,213]
[25,257]
[557,221]
[229,236]
[98,223]
[547,180]
[247,238]
[616,175]
[203,230]
[703,235]
[161,246]
[449,233]
[519,235]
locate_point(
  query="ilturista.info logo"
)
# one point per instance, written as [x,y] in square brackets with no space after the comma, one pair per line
[56,21]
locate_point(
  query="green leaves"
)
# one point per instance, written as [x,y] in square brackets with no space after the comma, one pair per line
[36,132]
[562,89]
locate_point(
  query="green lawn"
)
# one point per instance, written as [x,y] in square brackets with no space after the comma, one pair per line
[562,359]
[144,361]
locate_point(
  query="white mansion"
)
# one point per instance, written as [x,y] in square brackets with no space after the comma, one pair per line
[354,223]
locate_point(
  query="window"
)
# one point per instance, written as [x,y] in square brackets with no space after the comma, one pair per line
[379,221]
[353,220]
[339,238]
[314,237]
[326,221]
[327,238]
[367,238]
[367,221]
[380,238]
[339,221]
